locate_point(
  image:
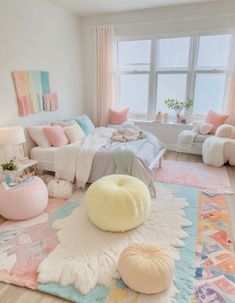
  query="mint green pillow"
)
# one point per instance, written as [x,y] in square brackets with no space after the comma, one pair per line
[85,123]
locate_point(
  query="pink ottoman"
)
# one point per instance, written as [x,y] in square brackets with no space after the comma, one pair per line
[24,202]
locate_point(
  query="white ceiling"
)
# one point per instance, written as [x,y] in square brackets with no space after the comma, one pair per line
[95,7]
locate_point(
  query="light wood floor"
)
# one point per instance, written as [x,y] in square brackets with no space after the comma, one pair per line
[14,294]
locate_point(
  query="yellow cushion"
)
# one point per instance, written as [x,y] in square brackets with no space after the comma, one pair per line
[117,202]
[146,268]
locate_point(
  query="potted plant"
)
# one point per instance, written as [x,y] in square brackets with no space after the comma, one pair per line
[9,169]
[158,117]
[178,106]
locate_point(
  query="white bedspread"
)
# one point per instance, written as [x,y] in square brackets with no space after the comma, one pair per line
[213,150]
[75,160]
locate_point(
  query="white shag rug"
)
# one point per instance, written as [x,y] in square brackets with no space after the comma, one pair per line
[87,256]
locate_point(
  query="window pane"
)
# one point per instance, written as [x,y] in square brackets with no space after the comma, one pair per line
[134,92]
[134,55]
[209,93]
[174,53]
[170,87]
[213,51]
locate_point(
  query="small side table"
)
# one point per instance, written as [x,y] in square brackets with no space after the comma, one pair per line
[29,167]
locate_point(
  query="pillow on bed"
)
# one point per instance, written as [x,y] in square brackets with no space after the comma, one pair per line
[85,123]
[38,136]
[118,117]
[74,133]
[215,119]
[56,135]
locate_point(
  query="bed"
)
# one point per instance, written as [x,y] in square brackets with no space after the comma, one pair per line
[96,157]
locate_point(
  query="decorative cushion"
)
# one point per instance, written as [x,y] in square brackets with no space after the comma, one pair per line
[146,268]
[56,135]
[118,117]
[38,136]
[74,133]
[205,128]
[215,119]
[225,131]
[202,128]
[117,202]
[60,189]
[85,123]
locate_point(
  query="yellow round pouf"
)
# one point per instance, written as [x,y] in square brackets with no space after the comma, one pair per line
[117,202]
[146,268]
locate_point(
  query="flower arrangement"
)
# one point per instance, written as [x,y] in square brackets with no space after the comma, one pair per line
[10,166]
[177,105]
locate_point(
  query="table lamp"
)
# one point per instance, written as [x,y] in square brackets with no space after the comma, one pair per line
[11,139]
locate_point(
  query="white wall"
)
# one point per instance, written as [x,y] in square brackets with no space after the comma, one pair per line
[37,35]
[176,19]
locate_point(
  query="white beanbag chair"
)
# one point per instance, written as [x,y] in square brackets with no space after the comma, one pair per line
[60,189]
[117,202]
[146,268]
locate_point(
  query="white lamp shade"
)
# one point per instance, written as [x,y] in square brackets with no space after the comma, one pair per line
[11,136]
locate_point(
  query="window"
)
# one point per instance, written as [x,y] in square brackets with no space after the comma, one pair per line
[151,71]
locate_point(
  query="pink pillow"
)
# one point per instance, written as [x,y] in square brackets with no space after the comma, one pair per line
[56,135]
[215,119]
[118,117]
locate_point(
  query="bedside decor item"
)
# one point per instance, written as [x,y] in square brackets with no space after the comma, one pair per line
[24,202]
[12,138]
[124,200]
[35,91]
[9,168]
[158,117]
[60,189]
[178,106]
[147,268]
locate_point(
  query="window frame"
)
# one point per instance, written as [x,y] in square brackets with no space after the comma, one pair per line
[191,72]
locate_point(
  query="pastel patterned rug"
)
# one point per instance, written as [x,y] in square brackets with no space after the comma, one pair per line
[25,245]
[193,174]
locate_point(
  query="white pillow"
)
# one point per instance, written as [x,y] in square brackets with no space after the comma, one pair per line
[38,135]
[205,128]
[225,131]
[74,133]
[124,125]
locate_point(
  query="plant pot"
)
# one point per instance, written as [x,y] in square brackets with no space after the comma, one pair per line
[158,118]
[9,176]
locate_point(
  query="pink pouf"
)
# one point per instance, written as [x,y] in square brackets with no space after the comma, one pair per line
[24,202]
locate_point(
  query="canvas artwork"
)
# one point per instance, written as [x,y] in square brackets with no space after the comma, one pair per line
[35,92]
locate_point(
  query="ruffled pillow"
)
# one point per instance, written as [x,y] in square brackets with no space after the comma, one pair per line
[202,128]
[225,131]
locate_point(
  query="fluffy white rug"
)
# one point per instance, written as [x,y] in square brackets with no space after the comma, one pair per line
[87,256]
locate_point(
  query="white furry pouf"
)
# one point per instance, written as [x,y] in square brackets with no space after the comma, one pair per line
[60,189]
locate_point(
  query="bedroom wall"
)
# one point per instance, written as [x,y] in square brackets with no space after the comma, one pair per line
[37,35]
[175,19]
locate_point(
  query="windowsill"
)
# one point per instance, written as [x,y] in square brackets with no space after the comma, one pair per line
[168,124]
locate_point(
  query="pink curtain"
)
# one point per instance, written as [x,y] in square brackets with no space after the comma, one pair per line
[105,94]
[229,103]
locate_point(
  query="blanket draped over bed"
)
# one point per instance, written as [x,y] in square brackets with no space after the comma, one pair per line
[75,161]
